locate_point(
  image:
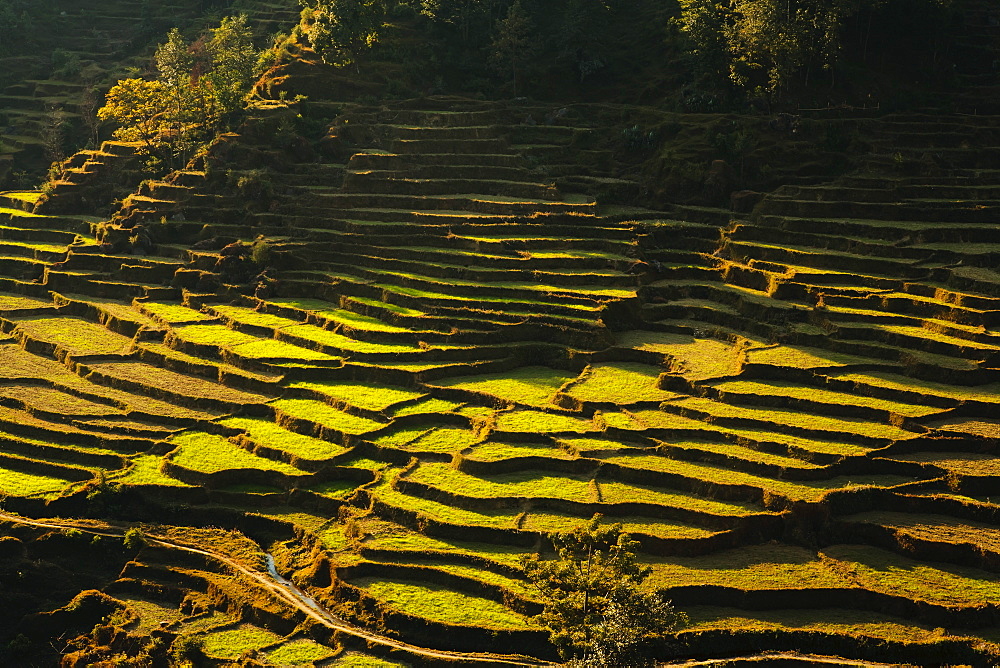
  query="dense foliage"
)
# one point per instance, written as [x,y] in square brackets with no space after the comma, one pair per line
[594,606]
[16,22]
[764,46]
[341,29]
[199,88]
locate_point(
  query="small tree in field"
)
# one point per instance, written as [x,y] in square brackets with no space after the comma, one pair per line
[594,608]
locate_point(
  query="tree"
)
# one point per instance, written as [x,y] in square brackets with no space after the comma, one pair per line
[196,91]
[763,44]
[581,35]
[233,62]
[15,25]
[340,30]
[593,605]
[513,44]
[139,107]
[472,19]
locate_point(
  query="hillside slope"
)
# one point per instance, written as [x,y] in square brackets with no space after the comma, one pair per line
[394,345]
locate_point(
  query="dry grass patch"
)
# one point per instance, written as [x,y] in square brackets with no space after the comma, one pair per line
[823,396]
[982,427]
[175,383]
[935,528]
[53,400]
[185,358]
[741,452]
[658,419]
[339,341]
[15,362]
[150,613]
[249,316]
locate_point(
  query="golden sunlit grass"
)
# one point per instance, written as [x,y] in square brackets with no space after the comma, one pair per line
[441,604]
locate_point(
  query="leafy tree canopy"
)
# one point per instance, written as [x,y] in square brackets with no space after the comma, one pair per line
[763,44]
[593,604]
[340,30]
[199,87]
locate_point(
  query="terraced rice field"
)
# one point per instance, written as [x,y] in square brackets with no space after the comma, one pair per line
[793,412]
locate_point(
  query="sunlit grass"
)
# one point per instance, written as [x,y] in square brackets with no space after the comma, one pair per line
[750,567]
[79,336]
[852,623]
[427,407]
[231,643]
[209,453]
[300,652]
[323,414]
[986,393]
[347,344]
[369,396]
[812,490]
[20,483]
[539,422]
[174,314]
[145,470]
[893,574]
[440,604]
[820,395]
[267,433]
[799,419]
[621,383]
[531,386]
[442,512]
[696,359]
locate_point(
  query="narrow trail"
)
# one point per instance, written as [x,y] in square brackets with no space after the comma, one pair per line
[284,590]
